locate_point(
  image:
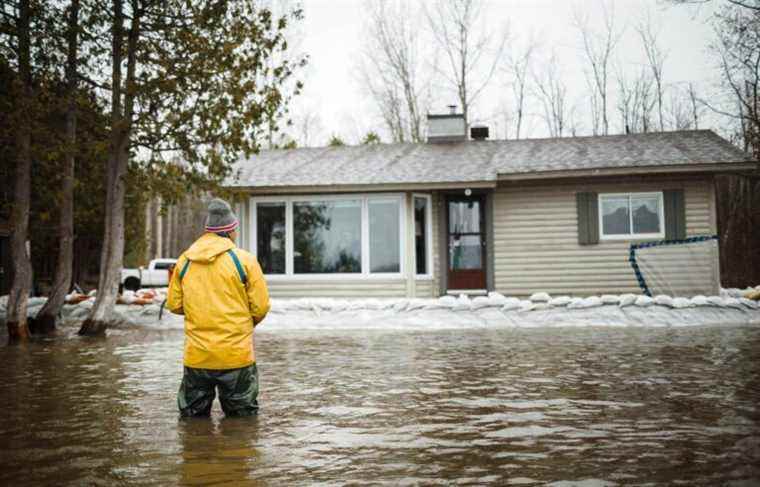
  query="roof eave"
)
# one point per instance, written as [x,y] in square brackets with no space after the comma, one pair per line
[363,188]
[629,171]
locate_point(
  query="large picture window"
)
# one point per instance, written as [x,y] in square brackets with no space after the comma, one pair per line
[327,237]
[631,215]
[330,235]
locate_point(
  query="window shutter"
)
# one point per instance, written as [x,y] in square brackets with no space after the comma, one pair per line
[588,218]
[675,214]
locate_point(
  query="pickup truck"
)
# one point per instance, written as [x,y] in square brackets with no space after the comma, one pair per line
[156,275]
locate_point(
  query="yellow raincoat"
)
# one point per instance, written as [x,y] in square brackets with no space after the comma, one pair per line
[220,311]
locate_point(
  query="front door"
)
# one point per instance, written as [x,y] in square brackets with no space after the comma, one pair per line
[466,242]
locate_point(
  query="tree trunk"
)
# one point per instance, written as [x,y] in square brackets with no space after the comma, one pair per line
[112,254]
[169,231]
[148,230]
[159,221]
[44,322]
[738,222]
[22,268]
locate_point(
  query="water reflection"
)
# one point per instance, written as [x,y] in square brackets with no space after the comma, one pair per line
[506,407]
[218,451]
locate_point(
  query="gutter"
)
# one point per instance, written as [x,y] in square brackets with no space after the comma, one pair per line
[365,188]
[631,171]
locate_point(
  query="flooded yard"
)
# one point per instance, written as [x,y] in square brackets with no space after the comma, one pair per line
[571,406]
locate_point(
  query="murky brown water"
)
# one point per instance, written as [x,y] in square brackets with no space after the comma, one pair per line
[524,407]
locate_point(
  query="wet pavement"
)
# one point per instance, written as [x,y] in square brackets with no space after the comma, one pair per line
[569,406]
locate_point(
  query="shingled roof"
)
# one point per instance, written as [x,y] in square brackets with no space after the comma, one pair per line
[481,161]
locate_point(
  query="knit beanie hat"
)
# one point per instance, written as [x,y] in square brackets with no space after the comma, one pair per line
[220,218]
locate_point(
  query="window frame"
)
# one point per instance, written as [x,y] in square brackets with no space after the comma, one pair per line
[241,210]
[253,234]
[364,199]
[428,236]
[631,235]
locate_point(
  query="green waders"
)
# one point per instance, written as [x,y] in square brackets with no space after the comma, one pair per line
[238,390]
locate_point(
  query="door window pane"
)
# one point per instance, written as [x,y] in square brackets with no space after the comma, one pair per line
[615,218]
[327,237]
[270,238]
[465,252]
[420,235]
[464,216]
[384,237]
[646,214]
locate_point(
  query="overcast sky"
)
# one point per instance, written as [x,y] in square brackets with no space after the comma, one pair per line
[332,35]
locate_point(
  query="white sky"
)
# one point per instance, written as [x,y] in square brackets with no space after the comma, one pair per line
[332,34]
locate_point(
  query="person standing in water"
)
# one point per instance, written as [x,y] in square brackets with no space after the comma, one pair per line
[221,291]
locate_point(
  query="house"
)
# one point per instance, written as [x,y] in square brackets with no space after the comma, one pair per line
[455,215]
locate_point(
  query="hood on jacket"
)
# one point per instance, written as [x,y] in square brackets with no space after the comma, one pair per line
[208,247]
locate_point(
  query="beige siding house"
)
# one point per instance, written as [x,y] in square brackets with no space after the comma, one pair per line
[472,216]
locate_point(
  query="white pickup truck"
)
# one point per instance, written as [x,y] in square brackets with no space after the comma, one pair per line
[156,275]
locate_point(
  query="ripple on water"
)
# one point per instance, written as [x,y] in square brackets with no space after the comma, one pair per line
[581,407]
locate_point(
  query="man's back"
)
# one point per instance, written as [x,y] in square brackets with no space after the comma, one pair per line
[221,291]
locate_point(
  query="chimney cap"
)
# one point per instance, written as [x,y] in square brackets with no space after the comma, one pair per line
[479,132]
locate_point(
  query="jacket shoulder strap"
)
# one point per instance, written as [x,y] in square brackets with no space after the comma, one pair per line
[184,269]
[239,266]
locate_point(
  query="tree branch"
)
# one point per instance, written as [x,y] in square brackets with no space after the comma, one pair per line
[93,83]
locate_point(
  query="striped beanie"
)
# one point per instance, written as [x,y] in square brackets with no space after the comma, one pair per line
[220,217]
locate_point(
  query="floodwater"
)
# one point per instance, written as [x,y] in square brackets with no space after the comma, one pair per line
[472,407]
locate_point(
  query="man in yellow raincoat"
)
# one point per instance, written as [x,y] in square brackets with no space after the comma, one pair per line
[222,293]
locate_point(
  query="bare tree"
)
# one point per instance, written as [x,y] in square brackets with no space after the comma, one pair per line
[551,90]
[679,111]
[574,124]
[636,101]
[595,105]
[738,38]
[500,119]
[518,68]
[467,46]
[751,4]
[737,30]
[598,49]
[656,59]
[695,105]
[390,104]
[308,127]
[392,69]
[684,108]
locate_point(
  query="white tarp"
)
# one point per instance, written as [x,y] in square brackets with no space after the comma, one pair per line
[685,269]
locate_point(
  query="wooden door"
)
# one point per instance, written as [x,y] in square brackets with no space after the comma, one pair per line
[466,242]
